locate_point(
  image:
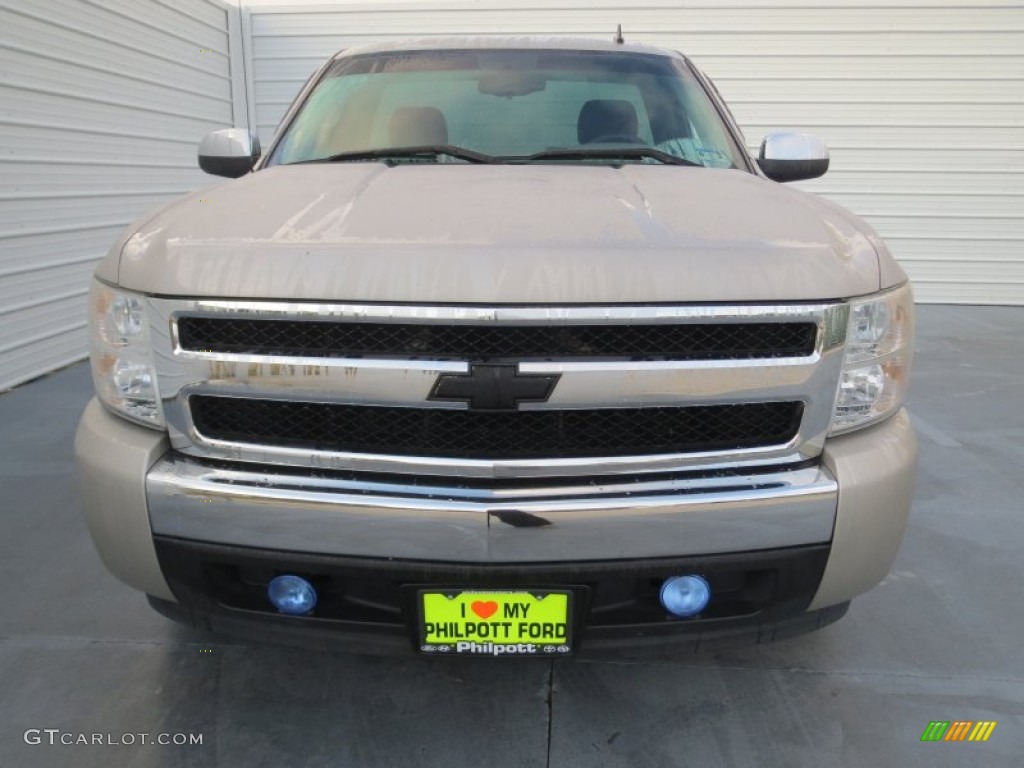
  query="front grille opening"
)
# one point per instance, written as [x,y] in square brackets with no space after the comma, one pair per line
[450,433]
[381,593]
[613,601]
[327,339]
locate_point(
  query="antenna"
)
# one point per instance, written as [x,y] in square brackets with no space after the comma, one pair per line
[618,35]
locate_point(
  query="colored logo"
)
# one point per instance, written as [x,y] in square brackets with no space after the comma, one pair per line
[484,609]
[958,730]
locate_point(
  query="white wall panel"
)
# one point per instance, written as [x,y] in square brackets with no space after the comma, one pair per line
[102,105]
[922,102]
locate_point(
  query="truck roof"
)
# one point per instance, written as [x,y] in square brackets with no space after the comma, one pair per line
[537,42]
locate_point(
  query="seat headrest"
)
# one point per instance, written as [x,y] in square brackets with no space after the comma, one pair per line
[417,126]
[606,117]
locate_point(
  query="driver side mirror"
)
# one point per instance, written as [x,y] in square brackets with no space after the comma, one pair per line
[231,152]
[792,156]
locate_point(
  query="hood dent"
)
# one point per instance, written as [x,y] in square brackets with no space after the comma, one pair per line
[332,221]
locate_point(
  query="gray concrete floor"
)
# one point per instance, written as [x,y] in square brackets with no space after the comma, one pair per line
[938,640]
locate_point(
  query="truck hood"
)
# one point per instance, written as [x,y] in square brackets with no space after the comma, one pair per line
[563,233]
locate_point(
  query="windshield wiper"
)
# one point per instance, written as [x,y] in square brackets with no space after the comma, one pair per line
[607,153]
[427,150]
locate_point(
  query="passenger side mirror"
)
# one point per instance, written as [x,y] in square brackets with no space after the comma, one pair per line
[792,156]
[231,152]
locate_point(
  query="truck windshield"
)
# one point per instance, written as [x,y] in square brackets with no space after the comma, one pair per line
[509,106]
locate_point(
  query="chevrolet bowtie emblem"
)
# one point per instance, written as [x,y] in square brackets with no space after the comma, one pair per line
[494,387]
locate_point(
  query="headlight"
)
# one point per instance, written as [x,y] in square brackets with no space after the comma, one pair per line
[879,343]
[122,366]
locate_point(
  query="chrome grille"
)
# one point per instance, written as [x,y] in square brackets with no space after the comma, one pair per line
[640,389]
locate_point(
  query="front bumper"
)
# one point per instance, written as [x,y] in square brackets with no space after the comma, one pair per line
[496,522]
[854,503]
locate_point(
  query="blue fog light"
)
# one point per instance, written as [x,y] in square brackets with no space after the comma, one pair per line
[292,595]
[685,595]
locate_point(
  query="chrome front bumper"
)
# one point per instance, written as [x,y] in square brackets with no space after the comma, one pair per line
[329,513]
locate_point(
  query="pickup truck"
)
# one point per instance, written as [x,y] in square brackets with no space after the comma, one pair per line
[504,347]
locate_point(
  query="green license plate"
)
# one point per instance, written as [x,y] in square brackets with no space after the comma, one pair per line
[471,622]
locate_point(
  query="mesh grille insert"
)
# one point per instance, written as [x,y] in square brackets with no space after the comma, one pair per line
[453,433]
[302,338]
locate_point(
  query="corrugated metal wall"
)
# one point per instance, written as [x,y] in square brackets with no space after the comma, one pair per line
[921,102]
[102,105]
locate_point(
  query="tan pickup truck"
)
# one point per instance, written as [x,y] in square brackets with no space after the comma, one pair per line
[504,347]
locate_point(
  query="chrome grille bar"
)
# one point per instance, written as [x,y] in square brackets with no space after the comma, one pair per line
[583,383]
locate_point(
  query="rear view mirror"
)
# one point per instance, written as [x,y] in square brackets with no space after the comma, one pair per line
[792,156]
[509,84]
[231,152]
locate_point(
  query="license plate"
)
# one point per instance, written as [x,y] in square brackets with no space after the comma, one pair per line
[496,622]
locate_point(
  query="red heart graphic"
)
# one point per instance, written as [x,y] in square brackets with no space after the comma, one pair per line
[484,610]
